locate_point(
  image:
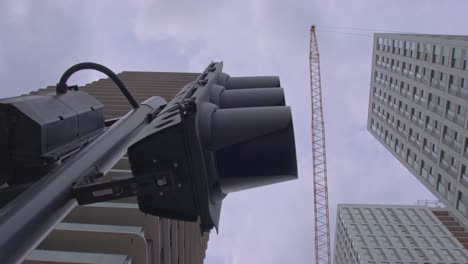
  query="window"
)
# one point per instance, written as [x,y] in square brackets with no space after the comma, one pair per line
[448,242]
[398,241]
[443,80]
[420,253]
[440,186]
[403,229]
[455,112]
[417,71]
[456,57]
[461,203]
[414,229]
[454,165]
[366,229]
[465,61]
[355,229]
[360,239]
[401,44]
[407,47]
[464,88]
[379,230]
[446,255]
[420,51]
[434,80]
[413,50]
[451,138]
[380,44]
[453,84]
[425,73]
[394,46]
[406,254]
[445,56]
[464,175]
[423,170]
[393,253]
[427,51]
[372,240]
[450,192]
[366,253]
[436,54]
[450,110]
[423,241]
[436,242]
[379,254]
[459,253]
[433,254]
[427,231]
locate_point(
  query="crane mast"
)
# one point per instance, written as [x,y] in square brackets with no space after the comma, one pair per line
[321,220]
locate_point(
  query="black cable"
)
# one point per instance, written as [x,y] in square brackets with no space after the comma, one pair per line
[62,86]
[346,33]
[359,28]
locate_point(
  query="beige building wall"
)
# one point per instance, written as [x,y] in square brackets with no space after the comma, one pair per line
[117,232]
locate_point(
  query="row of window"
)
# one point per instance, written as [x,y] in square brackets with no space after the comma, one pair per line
[451,137]
[414,234]
[345,252]
[447,162]
[384,215]
[454,57]
[455,85]
[454,112]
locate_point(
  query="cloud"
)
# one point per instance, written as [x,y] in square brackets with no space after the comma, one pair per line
[272,224]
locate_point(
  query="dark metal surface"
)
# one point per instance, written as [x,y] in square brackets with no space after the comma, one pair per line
[31,216]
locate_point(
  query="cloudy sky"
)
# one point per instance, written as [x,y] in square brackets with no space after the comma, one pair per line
[41,39]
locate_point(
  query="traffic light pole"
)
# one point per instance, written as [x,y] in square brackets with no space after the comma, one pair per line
[26,220]
[218,135]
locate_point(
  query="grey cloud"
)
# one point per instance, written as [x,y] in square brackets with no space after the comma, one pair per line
[272,224]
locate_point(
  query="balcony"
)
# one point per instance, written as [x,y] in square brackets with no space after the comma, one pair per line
[433,107]
[424,173]
[460,92]
[428,153]
[450,142]
[455,118]
[434,132]
[418,100]
[448,168]
[406,115]
[420,123]
[412,140]
[401,131]
[439,85]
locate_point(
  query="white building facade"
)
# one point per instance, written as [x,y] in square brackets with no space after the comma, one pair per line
[418,110]
[397,234]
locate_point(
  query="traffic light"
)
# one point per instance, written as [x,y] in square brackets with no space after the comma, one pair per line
[220,134]
[37,132]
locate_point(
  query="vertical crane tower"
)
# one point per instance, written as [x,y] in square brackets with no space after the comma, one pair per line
[319,158]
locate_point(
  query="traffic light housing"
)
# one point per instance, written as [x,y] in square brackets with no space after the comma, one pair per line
[37,132]
[220,134]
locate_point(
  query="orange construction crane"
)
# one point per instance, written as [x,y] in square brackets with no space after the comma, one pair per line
[319,157]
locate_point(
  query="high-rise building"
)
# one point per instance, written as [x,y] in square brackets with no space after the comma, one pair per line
[398,234]
[117,232]
[418,110]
